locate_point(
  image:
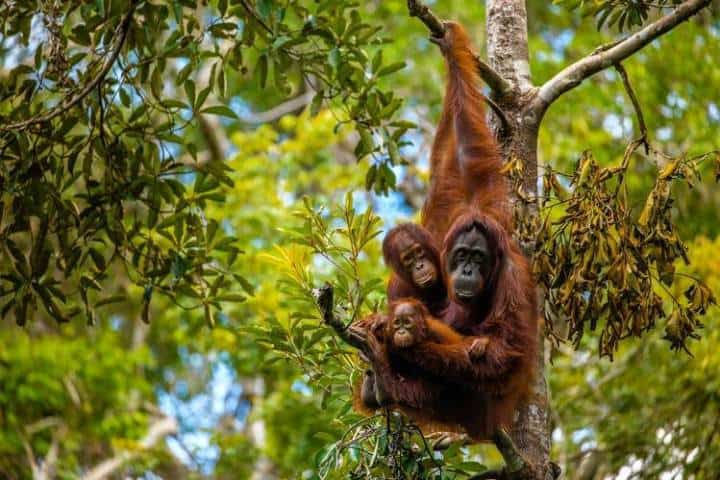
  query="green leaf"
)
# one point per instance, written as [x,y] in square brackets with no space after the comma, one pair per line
[261,70]
[392,68]
[221,110]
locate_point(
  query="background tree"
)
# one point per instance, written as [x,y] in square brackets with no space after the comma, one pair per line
[230,393]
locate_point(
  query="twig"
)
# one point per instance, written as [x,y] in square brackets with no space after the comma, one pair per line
[256,17]
[431,21]
[636,105]
[352,336]
[571,76]
[120,35]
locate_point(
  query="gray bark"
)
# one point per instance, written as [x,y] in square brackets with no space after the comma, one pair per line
[508,55]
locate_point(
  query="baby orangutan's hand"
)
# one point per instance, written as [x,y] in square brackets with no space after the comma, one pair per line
[477,347]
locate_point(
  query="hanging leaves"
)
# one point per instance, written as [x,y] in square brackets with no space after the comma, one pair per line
[605,267]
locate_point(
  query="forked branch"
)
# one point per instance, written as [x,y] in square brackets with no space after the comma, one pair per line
[499,85]
[604,57]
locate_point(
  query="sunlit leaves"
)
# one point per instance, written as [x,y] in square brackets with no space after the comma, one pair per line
[110,173]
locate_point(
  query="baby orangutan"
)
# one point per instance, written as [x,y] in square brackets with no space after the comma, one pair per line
[397,338]
[411,324]
[435,403]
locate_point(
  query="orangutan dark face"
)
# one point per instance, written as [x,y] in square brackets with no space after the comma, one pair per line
[469,265]
[415,261]
[406,325]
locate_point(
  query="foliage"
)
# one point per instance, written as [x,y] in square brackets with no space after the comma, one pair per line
[624,14]
[376,447]
[97,147]
[603,264]
[650,411]
[648,405]
[83,393]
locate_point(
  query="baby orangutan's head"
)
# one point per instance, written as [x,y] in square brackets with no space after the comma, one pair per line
[407,324]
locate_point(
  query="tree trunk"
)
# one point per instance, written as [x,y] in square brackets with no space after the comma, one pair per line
[508,55]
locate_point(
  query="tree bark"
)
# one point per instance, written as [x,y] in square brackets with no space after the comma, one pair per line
[508,54]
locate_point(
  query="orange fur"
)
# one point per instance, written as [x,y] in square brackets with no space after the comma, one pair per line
[435,382]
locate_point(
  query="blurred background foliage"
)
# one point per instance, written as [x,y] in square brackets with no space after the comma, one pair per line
[266,392]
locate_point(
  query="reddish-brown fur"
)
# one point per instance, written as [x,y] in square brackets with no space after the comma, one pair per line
[465,164]
[469,190]
[432,401]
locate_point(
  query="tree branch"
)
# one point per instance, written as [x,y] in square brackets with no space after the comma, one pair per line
[418,9]
[571,76]
[514,461]
[280,110]
[499,85]
[506,127]
[352,336]
[120,36]
[516,466]
[159,430]
[30,455]
[47,471]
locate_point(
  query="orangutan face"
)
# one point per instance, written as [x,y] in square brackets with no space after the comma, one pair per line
[406,325]
[415,261]
[469,265]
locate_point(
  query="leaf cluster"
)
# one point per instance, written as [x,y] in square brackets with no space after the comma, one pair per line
[605,265]
[623,14]
[101,167]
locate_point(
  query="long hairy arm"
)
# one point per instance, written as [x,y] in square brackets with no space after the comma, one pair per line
[477,152]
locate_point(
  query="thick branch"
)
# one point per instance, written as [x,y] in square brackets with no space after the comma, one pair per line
[159,430]
[120,36]
[514,461]
[516,467]
[431,21]
[490,76]
[497,83]
[571,76]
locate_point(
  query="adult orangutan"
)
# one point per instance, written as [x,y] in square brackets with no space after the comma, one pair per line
[489,282]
